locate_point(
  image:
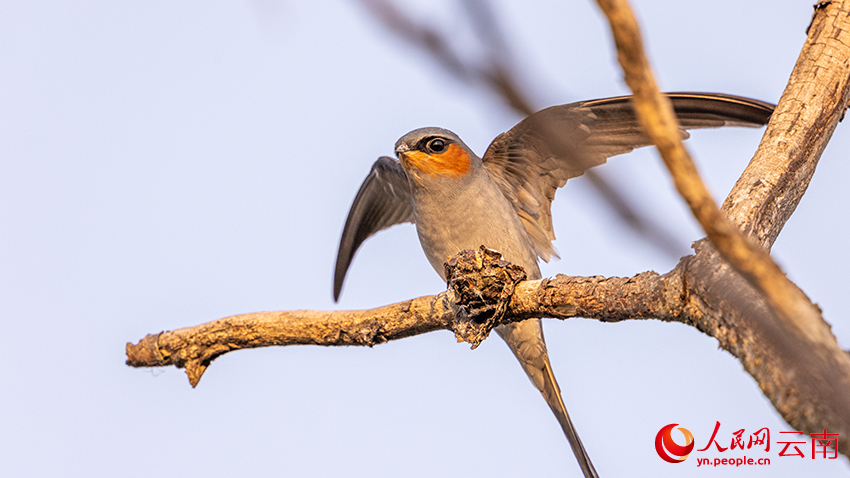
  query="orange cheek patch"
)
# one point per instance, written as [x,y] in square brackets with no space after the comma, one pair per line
[453,162]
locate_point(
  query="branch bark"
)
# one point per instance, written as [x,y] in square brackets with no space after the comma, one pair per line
[797,363]
[659,121]
[803,353]
[614,299]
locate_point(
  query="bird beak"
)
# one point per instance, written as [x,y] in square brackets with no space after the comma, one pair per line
[401,154]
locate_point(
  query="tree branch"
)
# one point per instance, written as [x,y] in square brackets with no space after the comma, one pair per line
[193,348]
[797,363]
[813,103]
[607,299]
[800,343]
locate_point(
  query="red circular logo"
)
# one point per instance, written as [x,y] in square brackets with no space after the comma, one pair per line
[668,450]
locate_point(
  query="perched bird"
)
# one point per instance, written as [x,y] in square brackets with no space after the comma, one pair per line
[503,201]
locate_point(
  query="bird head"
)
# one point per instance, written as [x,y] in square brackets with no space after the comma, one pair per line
[434,152]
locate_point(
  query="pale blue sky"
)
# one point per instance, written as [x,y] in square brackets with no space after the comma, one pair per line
[163,164]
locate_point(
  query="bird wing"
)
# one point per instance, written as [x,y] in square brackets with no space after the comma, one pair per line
[383,200]
[543,151]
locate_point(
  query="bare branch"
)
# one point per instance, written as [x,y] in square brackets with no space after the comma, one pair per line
[607,299]
[794,326]
[658,119]
[193,348]
[813,103]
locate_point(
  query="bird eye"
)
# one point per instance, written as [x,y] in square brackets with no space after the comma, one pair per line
[436,145]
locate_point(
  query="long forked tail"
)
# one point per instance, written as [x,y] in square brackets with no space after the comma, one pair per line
[526,341]
[552,393]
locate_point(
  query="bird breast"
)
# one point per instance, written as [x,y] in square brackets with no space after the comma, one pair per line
[457,215]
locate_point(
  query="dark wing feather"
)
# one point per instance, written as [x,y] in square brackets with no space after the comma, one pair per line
[383,200]
[538,155]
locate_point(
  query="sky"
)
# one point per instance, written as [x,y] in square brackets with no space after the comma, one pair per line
[164,164]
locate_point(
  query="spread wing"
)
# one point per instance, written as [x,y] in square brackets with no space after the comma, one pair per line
[539,155]
[383,200]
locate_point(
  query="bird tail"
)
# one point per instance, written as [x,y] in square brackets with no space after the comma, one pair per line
[526,341]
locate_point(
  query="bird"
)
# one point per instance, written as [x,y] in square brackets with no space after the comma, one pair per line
[502,200]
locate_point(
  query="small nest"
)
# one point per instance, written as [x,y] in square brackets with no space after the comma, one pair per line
[483,284]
